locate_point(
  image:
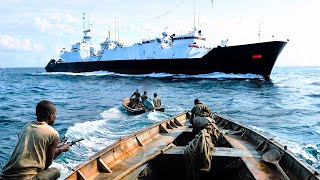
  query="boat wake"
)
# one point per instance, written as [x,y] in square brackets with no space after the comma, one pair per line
[216,75]
[100,133]
[156,116]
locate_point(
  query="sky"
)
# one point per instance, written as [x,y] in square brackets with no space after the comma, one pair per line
[33,31]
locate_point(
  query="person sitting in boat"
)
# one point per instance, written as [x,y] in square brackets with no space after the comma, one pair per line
[198,151]
[201,115]
[36,147]
[156,100]
[136,95]
[144,97]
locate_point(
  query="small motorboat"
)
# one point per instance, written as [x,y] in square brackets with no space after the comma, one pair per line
[140,109]
[159,152]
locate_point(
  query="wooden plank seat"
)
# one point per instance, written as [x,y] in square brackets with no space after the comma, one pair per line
[218,151]
[257,166]
[128,167]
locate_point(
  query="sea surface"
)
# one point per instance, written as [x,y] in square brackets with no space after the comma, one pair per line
[286,108]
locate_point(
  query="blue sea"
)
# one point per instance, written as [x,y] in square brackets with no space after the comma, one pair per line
[286,108]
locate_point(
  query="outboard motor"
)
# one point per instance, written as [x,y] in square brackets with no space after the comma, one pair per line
[148,105]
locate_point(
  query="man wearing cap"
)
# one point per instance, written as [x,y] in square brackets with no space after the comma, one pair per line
[201,115]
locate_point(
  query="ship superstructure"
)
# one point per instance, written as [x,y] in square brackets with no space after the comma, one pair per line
[189,45]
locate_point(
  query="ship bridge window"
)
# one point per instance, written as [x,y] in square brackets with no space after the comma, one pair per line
[148,41]
[182,38]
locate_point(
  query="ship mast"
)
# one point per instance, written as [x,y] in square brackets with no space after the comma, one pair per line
[83,21]
[194,15]
[86,31]
[259,32]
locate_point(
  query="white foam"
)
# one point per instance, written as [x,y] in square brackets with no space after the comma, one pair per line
[156,116]
[62,167]
[111,113]
[94,73]
[215,75]
[82,128]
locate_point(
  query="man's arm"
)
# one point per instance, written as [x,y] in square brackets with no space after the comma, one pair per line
[210,113]
[192,115]
[51,152]
[62,148]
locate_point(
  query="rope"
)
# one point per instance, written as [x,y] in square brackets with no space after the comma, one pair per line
[198,151]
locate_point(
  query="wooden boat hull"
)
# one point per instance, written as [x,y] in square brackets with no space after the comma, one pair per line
[156,152]
[136,111]
[257,58]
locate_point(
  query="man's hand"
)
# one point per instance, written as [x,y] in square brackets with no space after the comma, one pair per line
[64,147]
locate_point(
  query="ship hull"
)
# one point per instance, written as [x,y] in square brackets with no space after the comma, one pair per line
[256,58]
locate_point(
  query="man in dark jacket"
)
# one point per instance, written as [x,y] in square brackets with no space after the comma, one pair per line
[136,95]
[201,115]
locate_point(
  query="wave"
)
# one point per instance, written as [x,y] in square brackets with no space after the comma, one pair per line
[311,154]
[316,83]
[314,95]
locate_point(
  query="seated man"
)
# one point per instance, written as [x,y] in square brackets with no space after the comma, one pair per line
[131,104]
[144,97]
[156,100]
[136,95]
[36,147]
[201,115]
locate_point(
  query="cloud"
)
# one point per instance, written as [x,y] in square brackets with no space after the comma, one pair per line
[50,26]
[11,43]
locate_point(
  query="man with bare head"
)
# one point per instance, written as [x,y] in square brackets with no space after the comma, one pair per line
[156,100]
[136,95]
[36,147]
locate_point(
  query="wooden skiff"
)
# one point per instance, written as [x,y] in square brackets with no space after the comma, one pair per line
[136,111]
[157,152]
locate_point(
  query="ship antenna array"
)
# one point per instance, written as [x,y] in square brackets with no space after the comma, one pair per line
[116,30]
[84,22]
[194,15]
[170,10]
[182,2]
[259,31]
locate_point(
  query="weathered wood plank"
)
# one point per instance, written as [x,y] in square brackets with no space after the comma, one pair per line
[219,151]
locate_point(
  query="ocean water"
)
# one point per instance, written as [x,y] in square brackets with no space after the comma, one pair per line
[286,108]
